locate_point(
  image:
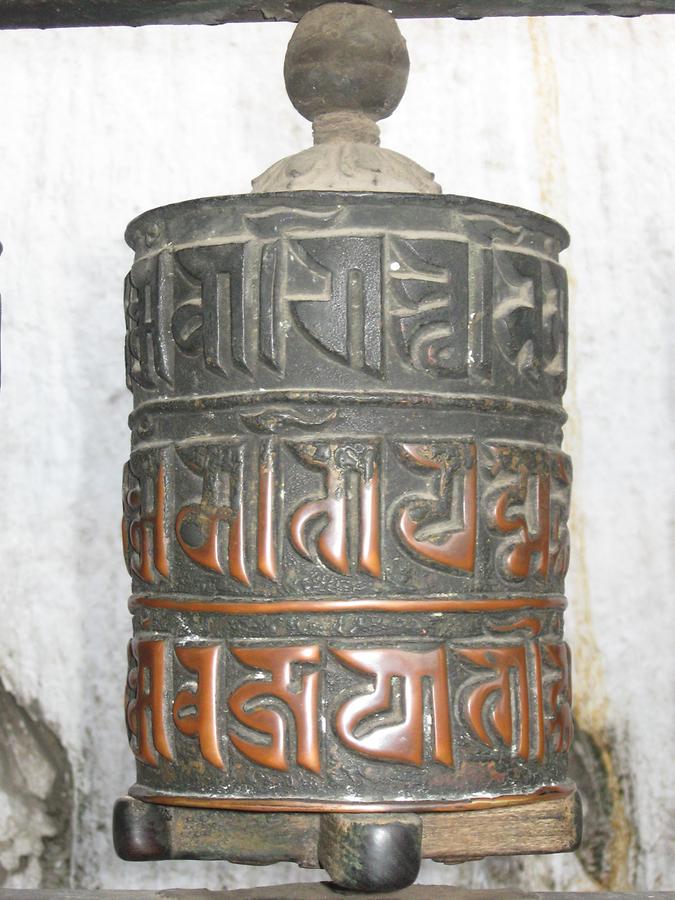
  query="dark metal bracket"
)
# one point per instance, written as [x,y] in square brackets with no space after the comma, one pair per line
[74,13]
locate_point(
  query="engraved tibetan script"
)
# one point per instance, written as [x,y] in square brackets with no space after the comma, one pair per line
[293,687]
[499,708]
[146,685]
[194,709]
[340,464]
[530,315]
[510,691]
[358,721]
[148,302]
[442,530]
[198,525]
[428,281]
[561,726]
[448,308]
[229,304]
[334,287]
[208,320]
[528,504]
[144,538]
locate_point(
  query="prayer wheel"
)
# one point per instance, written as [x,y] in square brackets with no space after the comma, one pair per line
[345,510]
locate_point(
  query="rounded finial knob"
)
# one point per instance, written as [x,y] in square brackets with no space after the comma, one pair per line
[346,67]
[345,57]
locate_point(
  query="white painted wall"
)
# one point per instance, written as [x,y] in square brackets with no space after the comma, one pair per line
[575,118]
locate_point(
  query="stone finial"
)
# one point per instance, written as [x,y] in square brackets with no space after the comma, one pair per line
[346,67]
[346,61]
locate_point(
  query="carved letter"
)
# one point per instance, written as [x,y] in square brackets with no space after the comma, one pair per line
[301,702]
[198,525]
[529,502]
[146,702]
[143,525]
[561,697]
[212,322]
[343,274]
[148,300]
[338,464]
[442,530]
[194,709]
[429,283]
[534,492]
[530,312]
[404,741]
[492,699]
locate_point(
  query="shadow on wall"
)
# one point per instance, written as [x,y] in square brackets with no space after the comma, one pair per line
[36,800]
[605,844]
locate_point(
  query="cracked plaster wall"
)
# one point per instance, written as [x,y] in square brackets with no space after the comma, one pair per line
[575,118]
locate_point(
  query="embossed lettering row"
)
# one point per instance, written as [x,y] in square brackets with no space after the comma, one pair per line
[513,698]
[522,491]
[450,309]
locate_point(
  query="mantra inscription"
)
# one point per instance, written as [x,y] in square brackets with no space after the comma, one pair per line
[345,511]
[277,705]
[421,299]
[370,303]
[241,519]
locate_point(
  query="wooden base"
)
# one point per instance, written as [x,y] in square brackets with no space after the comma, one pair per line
[145,831]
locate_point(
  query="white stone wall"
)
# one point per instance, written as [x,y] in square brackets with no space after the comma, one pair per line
[572,117]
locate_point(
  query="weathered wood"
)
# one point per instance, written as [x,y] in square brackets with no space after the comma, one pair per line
[550,826]
[505,831]
[71,13]
[144,831]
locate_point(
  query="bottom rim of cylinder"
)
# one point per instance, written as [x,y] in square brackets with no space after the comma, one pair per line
[266,804]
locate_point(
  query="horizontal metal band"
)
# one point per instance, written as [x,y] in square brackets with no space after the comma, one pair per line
[481,403]
[72,13]
[341,606]
[551,792]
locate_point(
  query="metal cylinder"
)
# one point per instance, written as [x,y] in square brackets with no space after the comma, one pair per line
[345,511]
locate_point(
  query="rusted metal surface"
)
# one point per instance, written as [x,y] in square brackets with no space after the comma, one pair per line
[72,13]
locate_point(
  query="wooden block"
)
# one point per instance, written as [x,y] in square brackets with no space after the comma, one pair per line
[549,826]
[147,831]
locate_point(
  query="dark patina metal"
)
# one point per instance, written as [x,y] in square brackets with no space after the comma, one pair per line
[346,505]
[72,13]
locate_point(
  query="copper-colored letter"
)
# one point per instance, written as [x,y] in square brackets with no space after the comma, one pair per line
[508,661]
[529,501]
[370,560]
[220,466]
[146,702]
[561,697]
[303,704]
[332,546]
[404,741]
[267,557]
[194,709]
[535,535]
[143,531]
[442,531]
